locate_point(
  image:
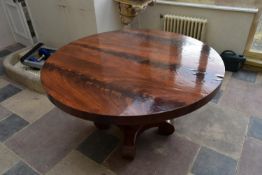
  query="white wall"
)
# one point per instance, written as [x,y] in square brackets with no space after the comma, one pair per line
[226,29]
[6,37]
[107,16]
[60,22]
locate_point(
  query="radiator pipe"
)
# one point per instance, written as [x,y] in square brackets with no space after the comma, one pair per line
[161,16]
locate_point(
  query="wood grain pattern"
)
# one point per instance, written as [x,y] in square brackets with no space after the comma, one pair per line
[132,76]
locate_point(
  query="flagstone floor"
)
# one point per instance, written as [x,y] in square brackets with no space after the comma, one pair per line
[222,138]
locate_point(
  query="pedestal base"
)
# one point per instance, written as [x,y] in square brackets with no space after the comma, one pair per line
[131,132]
[102,126]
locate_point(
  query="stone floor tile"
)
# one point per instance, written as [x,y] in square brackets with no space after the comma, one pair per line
[4,113]
[29,105]
[255,128]
[2,69]
[3,83]
[209,162]
[227,78]
[217,97]
[243,96]
[12,82]
[76,163]
[10,126]
[20,169]
[4,53]
[222,129]
[245,75]
[238,84]
[250,162]
[156,154]
[98,145]
[53,136]
[7,159]
[8,91]
[259,78]
[45,142]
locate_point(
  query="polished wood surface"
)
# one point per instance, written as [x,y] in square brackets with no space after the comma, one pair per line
[135,79]
[132,74]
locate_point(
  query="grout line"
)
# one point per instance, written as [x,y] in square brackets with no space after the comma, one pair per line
[61,160]
[5,169]
[20,159]
[190,167]
[255,139]
[92,130]
[193,161]
[29,124]
[120,142]
[112,152]
[6,117]
[208,146]
[96,163]
[3,143]
[12,82]
[204,145]
[242,147]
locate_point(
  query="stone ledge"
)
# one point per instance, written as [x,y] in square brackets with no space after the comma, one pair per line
[19,73]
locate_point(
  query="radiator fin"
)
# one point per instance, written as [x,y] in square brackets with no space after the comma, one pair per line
[190,26]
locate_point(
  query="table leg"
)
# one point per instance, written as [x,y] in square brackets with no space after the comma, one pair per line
[102,126]
[129,145]
[132,132]
[166,128]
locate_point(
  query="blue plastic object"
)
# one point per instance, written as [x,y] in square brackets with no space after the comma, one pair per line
[46,52]
[33,59]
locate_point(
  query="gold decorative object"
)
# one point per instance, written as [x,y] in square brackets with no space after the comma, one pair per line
[129,9]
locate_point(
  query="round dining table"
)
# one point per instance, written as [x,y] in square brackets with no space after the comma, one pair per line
[134,79]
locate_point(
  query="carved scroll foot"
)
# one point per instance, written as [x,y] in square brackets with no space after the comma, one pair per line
[166,128]
[132,132]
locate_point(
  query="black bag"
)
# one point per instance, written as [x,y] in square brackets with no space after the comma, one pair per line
[232,61]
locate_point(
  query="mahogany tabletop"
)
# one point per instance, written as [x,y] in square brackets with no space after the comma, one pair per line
[132,76]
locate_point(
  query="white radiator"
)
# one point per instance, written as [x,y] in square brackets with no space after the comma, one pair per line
[193,27]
